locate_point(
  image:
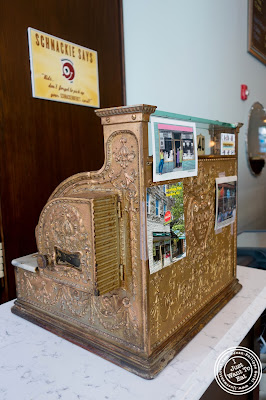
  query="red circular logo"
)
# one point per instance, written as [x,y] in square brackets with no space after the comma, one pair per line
[167,216]
[68,70]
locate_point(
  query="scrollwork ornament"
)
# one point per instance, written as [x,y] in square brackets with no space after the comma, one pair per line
[116,313]
[124,156]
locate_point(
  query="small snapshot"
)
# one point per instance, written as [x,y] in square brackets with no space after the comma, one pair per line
[165,225]
[174,149]
[225,201]
[228,144]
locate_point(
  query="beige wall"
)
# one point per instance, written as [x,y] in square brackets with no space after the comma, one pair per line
[190,57]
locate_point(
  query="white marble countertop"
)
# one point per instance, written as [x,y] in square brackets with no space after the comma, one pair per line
[38,365]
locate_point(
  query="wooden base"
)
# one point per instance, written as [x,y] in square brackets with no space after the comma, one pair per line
[143,365]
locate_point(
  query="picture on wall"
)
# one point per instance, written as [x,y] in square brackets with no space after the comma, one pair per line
[165,225]
[225,201]
[174,149]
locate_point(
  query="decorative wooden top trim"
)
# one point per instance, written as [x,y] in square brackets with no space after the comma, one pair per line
[140,108]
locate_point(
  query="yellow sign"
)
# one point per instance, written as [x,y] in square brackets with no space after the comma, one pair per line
[63,71]
[173,191]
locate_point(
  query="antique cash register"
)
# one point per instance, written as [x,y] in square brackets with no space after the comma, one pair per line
[95,279]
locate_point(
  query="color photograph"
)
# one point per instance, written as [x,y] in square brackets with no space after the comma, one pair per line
[225,201]
[165,225]
[174,149]
[228,144]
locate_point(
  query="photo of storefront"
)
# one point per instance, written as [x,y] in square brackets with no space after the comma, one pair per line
[166,244]
[174,146]
[177,148]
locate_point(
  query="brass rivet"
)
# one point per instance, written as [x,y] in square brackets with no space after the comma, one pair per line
[134,117]
[108,120]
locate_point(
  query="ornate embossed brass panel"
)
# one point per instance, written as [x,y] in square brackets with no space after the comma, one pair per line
[178,292]
[79,237]
[94,285]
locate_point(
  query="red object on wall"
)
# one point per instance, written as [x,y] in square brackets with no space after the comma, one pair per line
[244,92]
[167,216]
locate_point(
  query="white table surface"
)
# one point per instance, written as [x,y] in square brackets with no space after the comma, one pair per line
[256,239]
[38,365]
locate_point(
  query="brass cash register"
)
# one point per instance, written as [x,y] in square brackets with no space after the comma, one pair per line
[93,285]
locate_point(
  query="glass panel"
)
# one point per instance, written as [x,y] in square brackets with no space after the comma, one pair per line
[213,138]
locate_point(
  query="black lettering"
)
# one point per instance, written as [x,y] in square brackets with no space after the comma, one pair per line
[42,41]
[52,44]
[37,39]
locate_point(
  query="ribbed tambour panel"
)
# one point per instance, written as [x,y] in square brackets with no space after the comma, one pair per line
[106,243]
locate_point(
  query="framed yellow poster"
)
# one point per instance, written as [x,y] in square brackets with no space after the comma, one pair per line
[63,71]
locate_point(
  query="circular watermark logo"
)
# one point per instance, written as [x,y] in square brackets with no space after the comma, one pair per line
[238,370]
